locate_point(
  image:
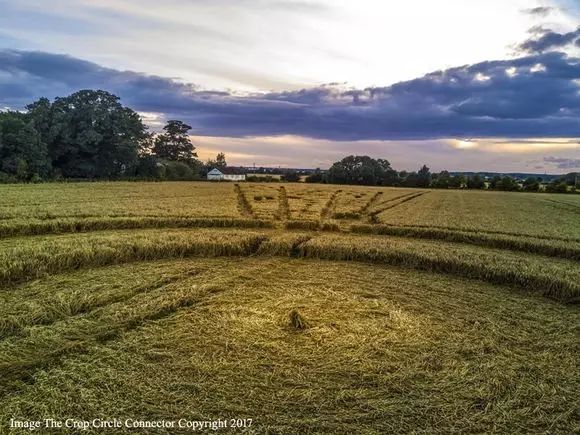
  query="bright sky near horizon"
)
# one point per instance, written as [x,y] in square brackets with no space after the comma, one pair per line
[285,82]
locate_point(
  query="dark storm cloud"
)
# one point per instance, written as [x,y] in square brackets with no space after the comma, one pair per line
[563,163]
[533,96]
[546,39]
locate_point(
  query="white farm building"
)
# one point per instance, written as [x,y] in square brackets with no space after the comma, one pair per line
[217,175]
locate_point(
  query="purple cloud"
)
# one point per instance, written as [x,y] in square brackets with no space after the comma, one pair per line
[532,96]
[562,162]
[546,39]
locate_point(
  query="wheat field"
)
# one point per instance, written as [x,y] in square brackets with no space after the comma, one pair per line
[307,308]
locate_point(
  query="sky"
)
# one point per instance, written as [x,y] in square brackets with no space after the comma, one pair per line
[462,85]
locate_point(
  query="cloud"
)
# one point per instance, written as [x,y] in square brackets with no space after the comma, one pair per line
[563,163]
[302,43]
[541,11]
[546,39]
[439,154]
[532,96]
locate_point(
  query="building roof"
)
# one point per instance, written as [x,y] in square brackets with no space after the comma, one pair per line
[215,171]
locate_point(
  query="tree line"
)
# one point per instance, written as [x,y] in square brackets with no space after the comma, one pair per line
[364,170]
[91,135]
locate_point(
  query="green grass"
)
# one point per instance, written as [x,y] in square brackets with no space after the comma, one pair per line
[309,308]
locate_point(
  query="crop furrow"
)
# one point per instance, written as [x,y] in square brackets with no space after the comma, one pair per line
[328,208]
[555,278]
[283,212]
[564,205]
[22,358]
[244,206]
[50,256]
[484,231]
[101,224]
[284,245]
[370,203]
[373,215]
[396,198]
[360,212]
[11,326]
[466,265]
[510,243]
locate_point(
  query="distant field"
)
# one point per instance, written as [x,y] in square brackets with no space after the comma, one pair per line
[418,310]
[85,200]
[535,213]
[275,176]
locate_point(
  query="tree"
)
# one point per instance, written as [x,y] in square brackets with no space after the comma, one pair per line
[175,170]
[174,144]
[291,176]
[441,180]
[423,177]
[409,179]
[495,182]
[532,184]
[149,167]
[361,170]
[557,186]
[475,182]
[388,176]
[219,162]
[571,179]
[508,184]
[315,177]
[22,153]
[457,181]
[90,134]
[40,114]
